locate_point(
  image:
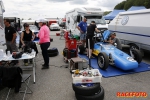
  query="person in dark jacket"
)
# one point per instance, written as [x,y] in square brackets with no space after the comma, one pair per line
[90,33]
[13,79]
[10,36]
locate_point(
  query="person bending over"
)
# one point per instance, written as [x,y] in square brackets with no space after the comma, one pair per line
[114,41]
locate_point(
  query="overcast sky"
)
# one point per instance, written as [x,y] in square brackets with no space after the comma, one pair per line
[51,8]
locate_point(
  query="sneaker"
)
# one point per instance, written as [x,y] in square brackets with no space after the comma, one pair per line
[26,64]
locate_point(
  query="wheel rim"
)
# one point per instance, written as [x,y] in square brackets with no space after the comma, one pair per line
[101,61]
[133,48]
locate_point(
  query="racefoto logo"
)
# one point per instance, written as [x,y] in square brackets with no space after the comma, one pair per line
[131,94]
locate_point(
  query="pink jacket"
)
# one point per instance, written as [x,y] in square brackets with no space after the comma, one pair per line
[44,34]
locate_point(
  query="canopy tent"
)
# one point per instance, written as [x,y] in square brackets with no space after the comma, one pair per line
[113,14]
[136,8]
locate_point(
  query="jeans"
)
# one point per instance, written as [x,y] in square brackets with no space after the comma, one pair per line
[12,48]
[44,47]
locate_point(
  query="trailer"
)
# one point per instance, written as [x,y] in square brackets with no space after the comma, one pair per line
[133,28]
[30,22]
[75,16]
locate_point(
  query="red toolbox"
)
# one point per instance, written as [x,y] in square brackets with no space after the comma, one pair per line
[71,44]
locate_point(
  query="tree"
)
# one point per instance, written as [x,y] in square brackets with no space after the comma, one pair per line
[128,3]
[120,6]
[107,12]
[147,3]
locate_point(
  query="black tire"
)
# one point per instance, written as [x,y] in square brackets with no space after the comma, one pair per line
[52,50]
[86,91]
[51,39]
[82,49]
[103,60]
[53,54]
[65,52]
[133,46]
[98,96]
[137,55]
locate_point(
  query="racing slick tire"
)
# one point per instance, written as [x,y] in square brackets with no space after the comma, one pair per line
[97,96]
[137,55]
[86,91]
[52,52]
[82,49]
[103,60]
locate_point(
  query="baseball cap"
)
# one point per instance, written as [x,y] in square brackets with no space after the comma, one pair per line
[41,20]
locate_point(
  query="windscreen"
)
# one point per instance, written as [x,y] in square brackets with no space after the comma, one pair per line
[97,19]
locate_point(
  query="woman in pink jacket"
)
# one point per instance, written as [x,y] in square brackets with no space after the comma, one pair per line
[44,41]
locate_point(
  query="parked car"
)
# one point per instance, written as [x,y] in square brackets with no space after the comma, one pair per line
[54,26]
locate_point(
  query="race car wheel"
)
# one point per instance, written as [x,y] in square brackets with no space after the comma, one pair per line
[65,52]
[53,54]
[52,50]
[136,55]
[133,46]
[82,49]
[97,96]
[86,91]
[103,60]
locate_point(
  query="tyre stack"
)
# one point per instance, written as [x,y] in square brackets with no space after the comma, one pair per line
[89,91]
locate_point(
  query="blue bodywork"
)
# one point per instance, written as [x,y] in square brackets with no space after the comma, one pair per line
[120,59]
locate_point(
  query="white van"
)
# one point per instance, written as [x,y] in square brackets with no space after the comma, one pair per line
[133,28]
[75,16]
[30,22]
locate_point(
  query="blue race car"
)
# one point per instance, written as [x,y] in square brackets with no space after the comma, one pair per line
[108,54]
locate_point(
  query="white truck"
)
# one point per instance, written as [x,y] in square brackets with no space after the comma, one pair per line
[2,34]
[75,16]
[133,28]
